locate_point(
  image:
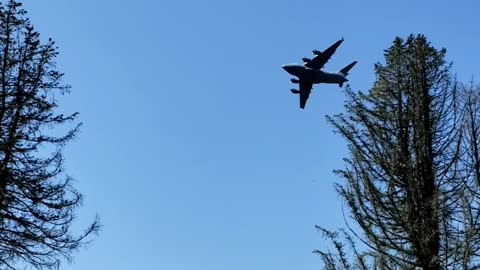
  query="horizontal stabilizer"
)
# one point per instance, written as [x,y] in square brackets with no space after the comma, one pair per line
[346,69]
[295,91]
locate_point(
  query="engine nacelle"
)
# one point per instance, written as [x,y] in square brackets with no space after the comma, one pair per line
[294,80]
[295,91]
[306,60]
[316,52]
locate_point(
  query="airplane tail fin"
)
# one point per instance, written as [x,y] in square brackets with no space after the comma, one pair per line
[346,69]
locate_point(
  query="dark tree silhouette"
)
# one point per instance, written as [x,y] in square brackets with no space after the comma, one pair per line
[37,200]
[413,171]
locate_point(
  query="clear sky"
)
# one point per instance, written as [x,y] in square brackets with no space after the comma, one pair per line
[193,151]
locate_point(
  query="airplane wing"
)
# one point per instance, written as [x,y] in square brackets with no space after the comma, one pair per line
[321,58]
[305,89]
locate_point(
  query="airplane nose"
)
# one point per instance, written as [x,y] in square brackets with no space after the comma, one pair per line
[293,69]
[288,68]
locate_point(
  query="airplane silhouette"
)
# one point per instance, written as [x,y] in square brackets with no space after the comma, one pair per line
[310,72]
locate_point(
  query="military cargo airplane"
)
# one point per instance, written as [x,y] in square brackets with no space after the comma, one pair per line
[310,72]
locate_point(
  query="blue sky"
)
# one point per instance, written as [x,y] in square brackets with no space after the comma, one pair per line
[193,151]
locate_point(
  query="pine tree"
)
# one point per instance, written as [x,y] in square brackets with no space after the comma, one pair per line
[411,177]
[37,200]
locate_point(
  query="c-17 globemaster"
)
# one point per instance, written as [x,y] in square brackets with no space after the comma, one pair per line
[310,72]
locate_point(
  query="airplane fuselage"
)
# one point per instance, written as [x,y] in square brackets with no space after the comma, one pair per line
[314,76]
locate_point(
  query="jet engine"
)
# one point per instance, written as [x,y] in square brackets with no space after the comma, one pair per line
[306,60]
[316,52]
[294,80]
[295,91]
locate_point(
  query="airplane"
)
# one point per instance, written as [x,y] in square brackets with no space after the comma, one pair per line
[309,73]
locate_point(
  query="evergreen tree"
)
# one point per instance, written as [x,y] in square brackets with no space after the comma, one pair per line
[412,174]
[37,200]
